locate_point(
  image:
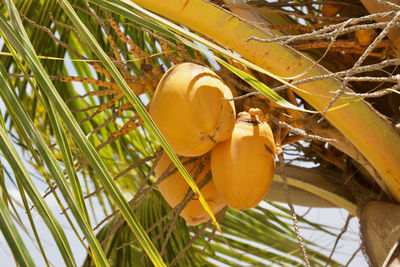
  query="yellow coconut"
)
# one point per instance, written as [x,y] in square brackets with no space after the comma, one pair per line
[329,10]
[365,37]
[243,166]
[175,187]
[188,109]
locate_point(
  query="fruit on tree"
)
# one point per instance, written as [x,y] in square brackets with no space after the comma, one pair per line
[174,188]
[243,166]
[189,109]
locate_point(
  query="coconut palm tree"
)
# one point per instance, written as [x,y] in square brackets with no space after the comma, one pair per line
[76,80]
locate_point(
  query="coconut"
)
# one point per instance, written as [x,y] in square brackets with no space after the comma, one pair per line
[174,188]
[329,10]
[365,37]
[243,166]
[189,109]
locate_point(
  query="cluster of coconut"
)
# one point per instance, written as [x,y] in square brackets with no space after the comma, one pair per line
[189,109]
